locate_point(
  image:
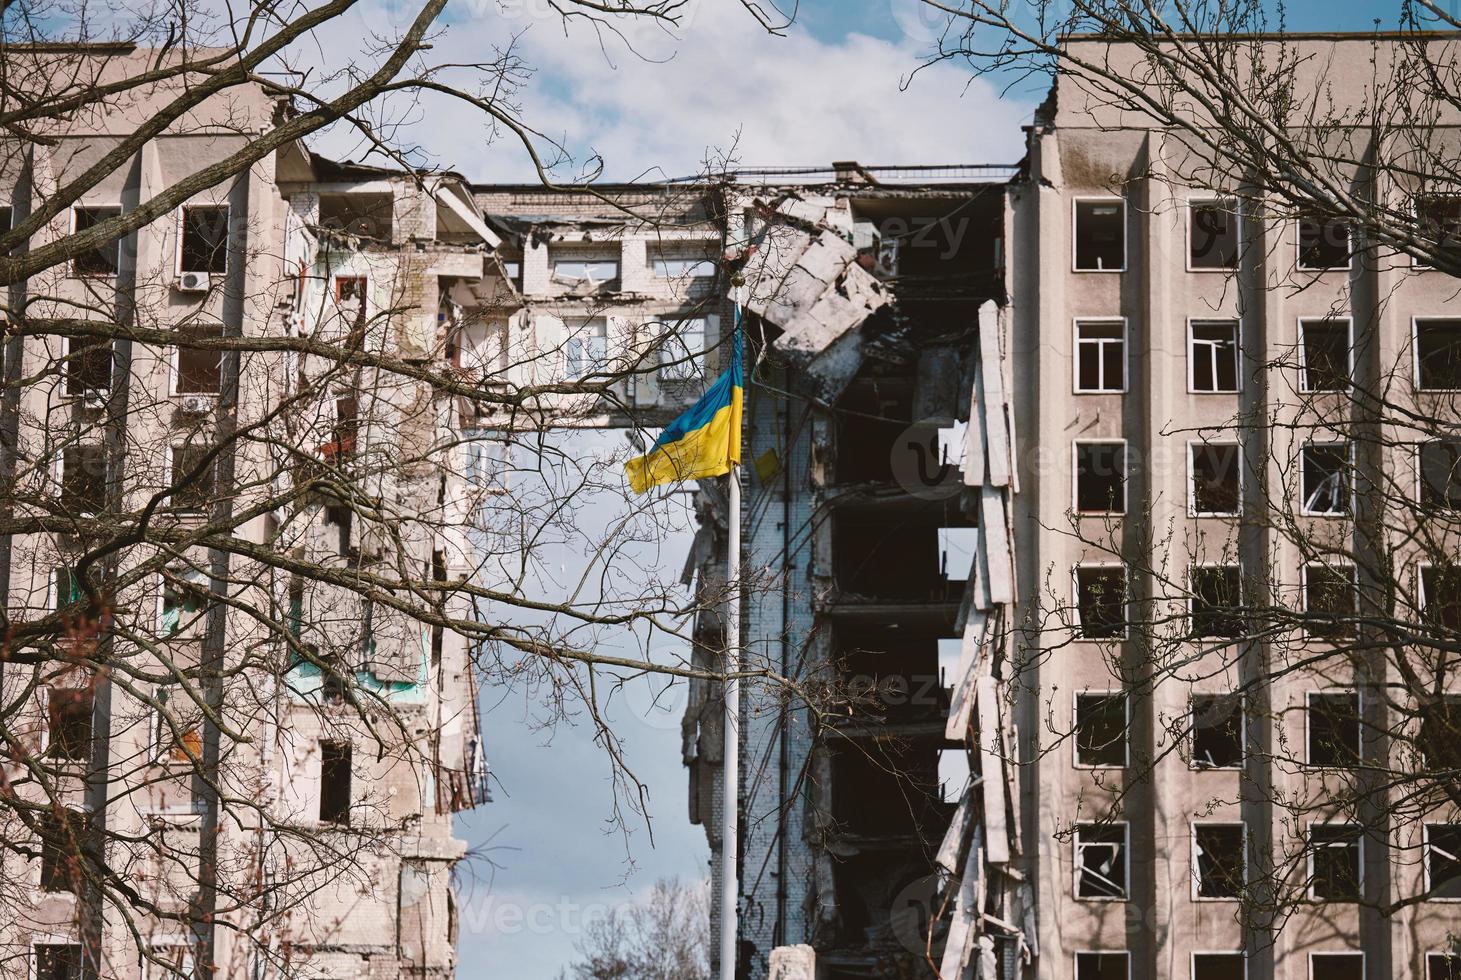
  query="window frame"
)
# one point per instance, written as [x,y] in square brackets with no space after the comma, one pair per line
[59,473]
[1309,762]
[1237,322]
[1075,477]
[1348,484]
[1077,954]
[169,460]
[33,961]
[175,354]
[1192,511]
[348,759]
[576,331]
[1075,204]
[1242,730]
[1415,322]
[1075,360]
[1241,954]
[1442,955]
[1193,825]
[674,370]
[1415,198]
[1075,582]
[338,278]
[1353,571]
[1320,954]
[1298,224]
[1310,851]
[1425,864]
[113,206]
[1192,569]
[1303,351]
[1076,846]
[1420,472]
[1075,729]
[190,629]
[178,269]
[1238,221]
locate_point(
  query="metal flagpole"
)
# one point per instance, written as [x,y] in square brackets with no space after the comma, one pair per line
[730,800]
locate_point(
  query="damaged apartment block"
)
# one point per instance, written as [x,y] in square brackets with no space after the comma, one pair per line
[882,481]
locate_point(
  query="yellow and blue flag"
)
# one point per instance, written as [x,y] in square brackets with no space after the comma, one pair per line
[704,441]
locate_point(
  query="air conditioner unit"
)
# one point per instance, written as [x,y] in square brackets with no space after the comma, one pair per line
[194,282]
[196,404]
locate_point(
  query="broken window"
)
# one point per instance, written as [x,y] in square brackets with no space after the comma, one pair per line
[61,850]
[1443,860]
[1324,355]
[672,265]
[682,348]
[335,782]
[1324,474]
[1440,474]
[83,479]
[1216,601]
[1334,728]
[1440,596]
[1100,477]
[1219,966]
[1324,243]
[1100,860]
[192,478]
[1212,235]
[1217,731]
[88,365]
[68,717]
[1439,219]
[1216,470]
[1212,356]
[198,370]
[593,272]
[177,729]
[1438,355]
[1100,355]
[350,289]
[184,599]
[1100,730]
[1100,235]
[204,238]
[105,259]
[1100,602]
[1102,966]
[66,589]
[1335,862]
[1336,966]
[1331,600]
[1219,863]
[57,961]
[362,214]
[587,349]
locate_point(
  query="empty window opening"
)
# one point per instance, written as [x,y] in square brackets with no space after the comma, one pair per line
[1216,601]
[1336,966]
[1219,863]
[587,349]
[1438,355]
[83,479]
[1100,602]
[1324,243]
[1219,966]
[1443,860]
[1212,231]
[184,599]
[1324,472]
[1216,479]
[61,851]
[363,215]
[1334,728]
[177,731]
[1100,477]
[1100,356]
[1438,218]
[204,238]
[1324,355]
[1443,966]
[1440,596]
[1100,730]
[683,348]
[1213,356]
[88,365]
[106,258]
[1440,474]
[1217,731]
[1100,860]
[335,782]
[1102,966]
[593,273]
[199,370]
[1100,235]
[350,289]
[1335,862]
[192,478]
[1331,601]
[57,961]
[68,711]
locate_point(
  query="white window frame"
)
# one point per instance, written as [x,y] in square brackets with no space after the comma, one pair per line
[1192,857]
[1416,263]
[1304,587]
[473,449]
[146,966]
[1075,583]
[68,356]
[1077,954]
[1415,322]
[1075,749]
[617,261]
[1364,960]
[183,632]
[1192,510]
[694,368]
[1192,731]
[658,264]
[1237,323]
[1075,204]
[58,472]
[1359,695]
[174,358]
[1304,510]
[1420,470]
[33,965]
[1192,960]
[1309,851]
[1237,218]
[1299,250]
[159,726]
[1421,567]
[1303,351]
[1075,477]
[576,334]
[228,232]
[169,455]
[1075,843]
[1425,864]
[1192,591]
[1075,365]
[1439,956]
[92,206]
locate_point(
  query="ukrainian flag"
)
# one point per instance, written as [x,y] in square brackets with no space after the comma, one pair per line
[705,441]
